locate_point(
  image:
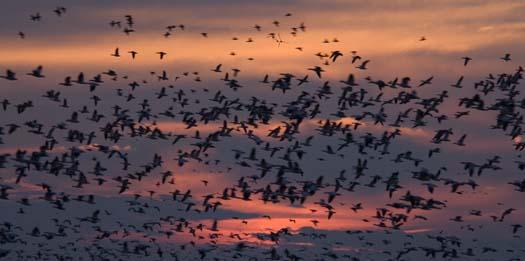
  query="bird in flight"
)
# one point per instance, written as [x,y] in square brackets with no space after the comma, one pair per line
[506,57]
[466,60]
[318,70]
[116,53]
[9,75]
[162,54]
[133,54]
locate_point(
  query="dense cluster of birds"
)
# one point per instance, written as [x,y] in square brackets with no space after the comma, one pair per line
[108,144]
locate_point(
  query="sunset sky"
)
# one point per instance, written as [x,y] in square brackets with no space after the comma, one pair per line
[416,39]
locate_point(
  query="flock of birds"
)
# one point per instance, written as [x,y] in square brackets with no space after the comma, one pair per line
[264,144]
